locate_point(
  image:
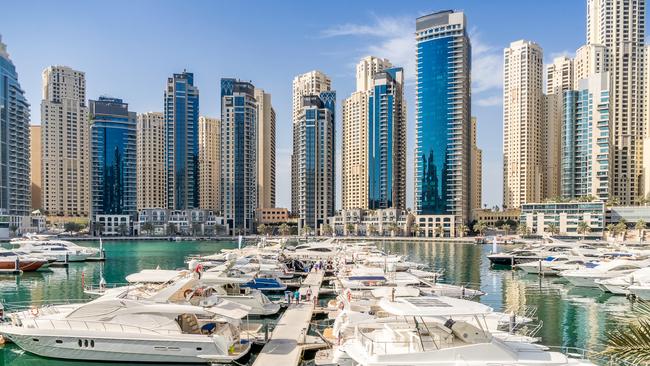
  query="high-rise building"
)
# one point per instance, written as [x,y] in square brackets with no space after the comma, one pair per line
[265,150]
[15,194]
[316,160]
[182,146]
[585,139]
[113,158]
[387,141]
[310,83]
[559,78]
[238,154]
[151,172]
[522,118]
[209,163]
[619,26]
[442,152]
[35,160]
[476,164]
[589,60]
[65,139]
[354,189]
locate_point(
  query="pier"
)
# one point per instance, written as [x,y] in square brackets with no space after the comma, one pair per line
[287,341]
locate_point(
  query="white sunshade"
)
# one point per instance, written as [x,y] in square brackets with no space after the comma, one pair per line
[109,309]
[154,276]
[432,306]
[216,278]
[230,309]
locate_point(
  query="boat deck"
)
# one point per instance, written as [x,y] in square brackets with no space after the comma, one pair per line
[288,338]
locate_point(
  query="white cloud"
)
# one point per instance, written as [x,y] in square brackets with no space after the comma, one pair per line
[489,101]
[487,65]
[565,53]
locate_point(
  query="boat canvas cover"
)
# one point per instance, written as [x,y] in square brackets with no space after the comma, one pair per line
[400,291]
[432,306]
[219,278]
[109,309]
[230,309]
[154,276]
[367,278]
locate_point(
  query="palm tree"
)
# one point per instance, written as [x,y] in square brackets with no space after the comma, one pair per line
[640,227]
[99,227]
[631,340]
[147,227]
[553,229]
[613,201]
[261,229]
[196,228]
[463,230]
[306,230]
[480,227]
[439,231]
[372,229]
[621,228]
[350,228]
[284,229]
[123,229]
[171,229]
[583,229]
[13,228]
[416,229]
[522,230]
[611,230]
[327,230]
[505,228]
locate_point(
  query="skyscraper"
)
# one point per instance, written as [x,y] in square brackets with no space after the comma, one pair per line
[65,139]
[559,78]
[387,141]
[586,146]
[210,163]
[619,26]
[265,150]
[442,152]
[181,146]
[310,83]
[35,161]
[113,158]
[15,195]
[522,118]
[238,154]
[316,159]
[476,164]
[151,172]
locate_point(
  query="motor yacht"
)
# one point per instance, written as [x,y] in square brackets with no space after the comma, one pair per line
[551,265]
[62,250]
[122,330]
[587,277]
[12,261]
[619,285]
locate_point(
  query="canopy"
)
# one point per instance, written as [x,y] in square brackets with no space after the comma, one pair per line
[432,306]
[154,276]
[230,309]
[109,309]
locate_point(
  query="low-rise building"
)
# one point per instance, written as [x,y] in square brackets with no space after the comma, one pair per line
[630,214]
[565,216]
[271,215]
[160,221]
[113,224]
[493,218]
[431,226]
[389,222]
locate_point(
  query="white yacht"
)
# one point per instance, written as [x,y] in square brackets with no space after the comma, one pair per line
[122,330]
[550,265]
[61,250]
[587,277]
[619,285]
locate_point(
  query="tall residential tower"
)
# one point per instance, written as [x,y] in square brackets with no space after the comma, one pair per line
[265,150]
[151,172]
[210,163]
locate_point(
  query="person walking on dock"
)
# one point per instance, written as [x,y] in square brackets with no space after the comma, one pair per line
[296,296]
[308,294]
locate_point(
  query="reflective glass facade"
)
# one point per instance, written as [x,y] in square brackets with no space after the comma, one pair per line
[113,157]
[387,141]
[442,115]
[15,195]
[181,146]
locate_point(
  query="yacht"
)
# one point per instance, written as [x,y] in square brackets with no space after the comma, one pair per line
[619,285]
[13,261]
[587,277]
[122,330]
[550,265]
[61,250]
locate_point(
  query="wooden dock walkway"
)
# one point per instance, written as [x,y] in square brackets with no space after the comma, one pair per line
[286,343]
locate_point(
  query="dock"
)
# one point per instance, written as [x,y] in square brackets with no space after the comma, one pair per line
[288,339]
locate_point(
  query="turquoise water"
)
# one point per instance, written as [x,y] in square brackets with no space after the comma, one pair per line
[572,317]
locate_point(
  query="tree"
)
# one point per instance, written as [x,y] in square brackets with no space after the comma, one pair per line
[621,228]
[261,229]
[416,229]
[630,340]
[172,229]
[640,227]
[99,227]
[505,228]
[480,227]
[552,228]
[13,228]
[196,228]
[613,201]
[372,229]
[587,198]
[148,227]
[327,230]
[306,230]
[72,227]
[394,229]
[439,231]
[284,229]
[583,228]
[350,229]
[463,230]
[522,230]
[123,230]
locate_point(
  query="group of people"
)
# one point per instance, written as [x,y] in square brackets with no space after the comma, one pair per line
[297,297]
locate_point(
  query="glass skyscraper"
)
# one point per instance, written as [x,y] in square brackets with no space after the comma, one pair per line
[239,119]
[15,194]
[181,141]
[315,130]
[113,157]
[442,151]
[387,141]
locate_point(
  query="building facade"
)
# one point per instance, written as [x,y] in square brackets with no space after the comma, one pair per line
[15,193]
[113,163]
[586,144]
[354,154]
[310,83]
[65,138]
[316,160]
[265,150]
[35,161]
[209,163]
[564,216]
[150,168]
[476,170]
[442,152]
[522,118]
[239,121]
[181,145]
[272,215]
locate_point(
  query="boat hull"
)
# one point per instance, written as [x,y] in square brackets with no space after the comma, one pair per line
[640,292]
[25,266]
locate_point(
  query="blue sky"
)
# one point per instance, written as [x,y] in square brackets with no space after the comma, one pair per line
[129,48]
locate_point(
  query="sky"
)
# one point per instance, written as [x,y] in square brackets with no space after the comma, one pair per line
[128,49]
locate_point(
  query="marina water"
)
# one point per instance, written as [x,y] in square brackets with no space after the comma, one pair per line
[571,317]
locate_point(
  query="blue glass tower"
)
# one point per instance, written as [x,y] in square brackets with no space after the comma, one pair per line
[15,195]
[239,119]
[387,141]
[316,159]
[113,157]
[182,144]
[442,165]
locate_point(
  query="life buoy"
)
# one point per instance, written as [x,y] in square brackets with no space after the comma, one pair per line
[34,311]
[187,293]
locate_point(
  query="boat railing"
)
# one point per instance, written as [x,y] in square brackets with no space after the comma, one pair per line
[415,343]
[87,325]
[18,306]
[98,288]
[591,355]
